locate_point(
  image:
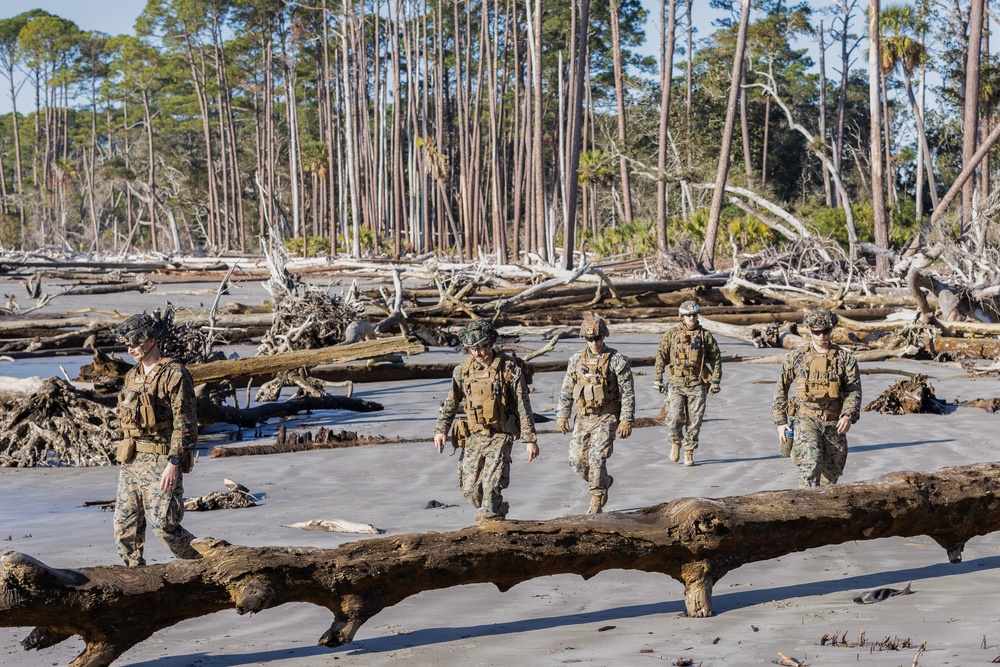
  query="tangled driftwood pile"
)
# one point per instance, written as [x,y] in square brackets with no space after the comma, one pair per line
[56,425]
[236,496]
[910,396]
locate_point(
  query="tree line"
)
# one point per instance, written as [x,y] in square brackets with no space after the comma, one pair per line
[525,130]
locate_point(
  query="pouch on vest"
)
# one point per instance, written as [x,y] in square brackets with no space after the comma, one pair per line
[819,382]
[484,403]
[687,356]
[128,410]
[147,415]
[126,451]
[460,433]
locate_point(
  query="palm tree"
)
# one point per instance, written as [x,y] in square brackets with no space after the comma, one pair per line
[900,24]
[596,169]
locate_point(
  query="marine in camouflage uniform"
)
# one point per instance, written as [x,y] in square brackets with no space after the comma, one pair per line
[492,389]
[826,403]
[156,410]
[693,363]
[599,381]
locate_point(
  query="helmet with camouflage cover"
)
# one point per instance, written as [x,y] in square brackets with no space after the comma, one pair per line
[820,318]
[594,326]
[139,328]
[479,333]
[689,308]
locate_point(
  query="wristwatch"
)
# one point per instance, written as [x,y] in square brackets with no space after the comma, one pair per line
[176,460]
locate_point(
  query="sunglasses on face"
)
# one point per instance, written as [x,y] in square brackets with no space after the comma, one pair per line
[820,332]
[593,339]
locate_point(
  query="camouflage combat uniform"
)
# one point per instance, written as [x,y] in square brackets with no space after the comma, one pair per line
[498,411]
[175,431]
[594,432]
[693,363]
[830,391]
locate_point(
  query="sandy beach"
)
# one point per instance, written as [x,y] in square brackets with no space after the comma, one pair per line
[785,605]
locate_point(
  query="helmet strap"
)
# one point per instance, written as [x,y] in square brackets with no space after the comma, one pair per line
[146,353]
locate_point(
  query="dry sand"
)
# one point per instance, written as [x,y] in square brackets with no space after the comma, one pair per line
[617,618]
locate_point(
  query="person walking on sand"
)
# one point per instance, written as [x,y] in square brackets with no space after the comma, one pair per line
[156,412]
[827,402]
[599,381]
[492,388]
[693,363]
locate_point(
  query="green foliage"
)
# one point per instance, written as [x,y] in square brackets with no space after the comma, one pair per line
[903,223]
[369,241]
[750,234]
[10,235]
[596,168]
[313,245]
[637,238]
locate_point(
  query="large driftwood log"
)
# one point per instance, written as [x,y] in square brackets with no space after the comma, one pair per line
[276,363]
[694,540]
[211,413]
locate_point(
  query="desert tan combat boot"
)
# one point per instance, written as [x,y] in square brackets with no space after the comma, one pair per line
[597,502]
[688,457]
[675,452]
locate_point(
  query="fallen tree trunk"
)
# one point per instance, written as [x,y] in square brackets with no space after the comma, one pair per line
[400,372]
[210,413]
[286,361]
[971,348]
[696,541]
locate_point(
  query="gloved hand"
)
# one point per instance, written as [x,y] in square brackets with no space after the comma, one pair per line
[714,389]
[624,429]
[563,425]
[658,386]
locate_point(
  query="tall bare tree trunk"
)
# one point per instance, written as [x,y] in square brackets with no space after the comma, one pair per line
[689,87]
[827,190]
[847,7]
[18,172]
[669,13]
[538,155]
[880,222]
[707,256]
[984,121]
[925,153]
[616,45]
[576,139]
[970,125]
[151,176]
[745,128]
[918,112]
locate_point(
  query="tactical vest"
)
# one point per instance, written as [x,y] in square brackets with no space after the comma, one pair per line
[486,396]
[595,392]
[687,354]
[817,385]
[139,414]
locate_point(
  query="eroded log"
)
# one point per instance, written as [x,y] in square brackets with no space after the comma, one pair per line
[211,413]
[277,363]
[696,541]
